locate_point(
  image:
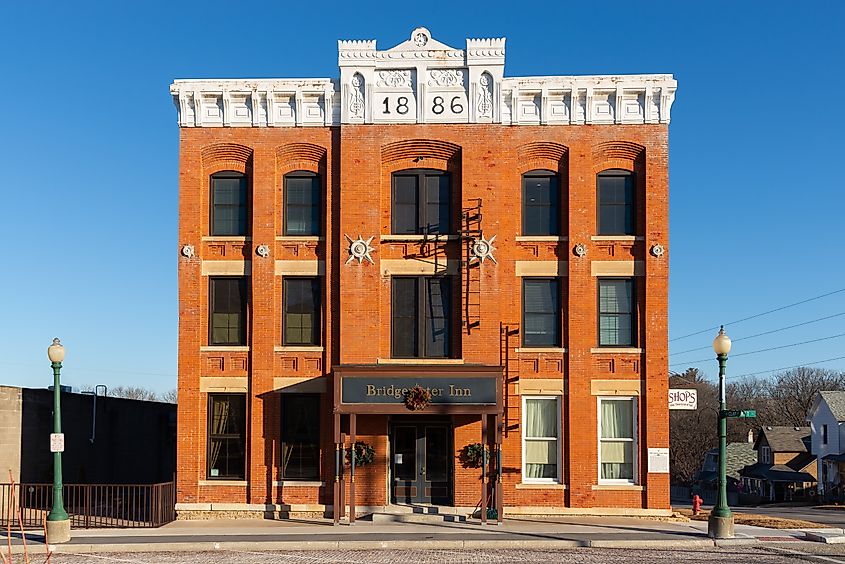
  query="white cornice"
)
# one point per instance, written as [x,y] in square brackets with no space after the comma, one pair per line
[422,80]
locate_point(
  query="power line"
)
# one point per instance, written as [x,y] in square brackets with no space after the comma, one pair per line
[766,332]
[755,316]
[785,368]
[765,350]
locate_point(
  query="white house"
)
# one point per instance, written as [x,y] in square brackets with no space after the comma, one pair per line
[826,417]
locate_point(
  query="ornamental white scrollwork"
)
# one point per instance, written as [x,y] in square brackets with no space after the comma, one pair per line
[580,250]
[485,95]
[394,78]
[263,251]
[188,251]
[482,249]
[356,96]
[446,77]
[657,250]
[359,249]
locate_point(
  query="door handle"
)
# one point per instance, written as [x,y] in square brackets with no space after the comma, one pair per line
[422,469]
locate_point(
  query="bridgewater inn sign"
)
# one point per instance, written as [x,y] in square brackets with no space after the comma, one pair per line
[443,390]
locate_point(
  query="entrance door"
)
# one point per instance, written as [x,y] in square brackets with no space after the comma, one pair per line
[421,456]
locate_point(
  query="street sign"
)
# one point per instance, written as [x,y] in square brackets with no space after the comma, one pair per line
[683,399]
[57,442]
[739,413]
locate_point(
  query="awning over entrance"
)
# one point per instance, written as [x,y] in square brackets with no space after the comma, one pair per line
[443,389]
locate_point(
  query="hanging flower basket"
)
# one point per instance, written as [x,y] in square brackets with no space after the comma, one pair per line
[364,454]
[472,455]
[417,398]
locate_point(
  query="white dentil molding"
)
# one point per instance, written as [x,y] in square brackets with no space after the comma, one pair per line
[422,80]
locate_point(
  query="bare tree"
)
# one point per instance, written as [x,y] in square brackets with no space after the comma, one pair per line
[692,433]
[782,400]
[133,392]
[792,392]
[169,396]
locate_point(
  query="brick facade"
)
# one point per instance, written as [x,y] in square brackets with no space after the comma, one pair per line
[486,162]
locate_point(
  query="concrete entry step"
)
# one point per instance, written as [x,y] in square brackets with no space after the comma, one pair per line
[417,518]
[420,514]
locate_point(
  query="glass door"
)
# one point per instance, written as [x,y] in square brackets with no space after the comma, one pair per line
[421,463]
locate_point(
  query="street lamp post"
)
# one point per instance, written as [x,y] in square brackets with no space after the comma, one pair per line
[58,523]
[721,522]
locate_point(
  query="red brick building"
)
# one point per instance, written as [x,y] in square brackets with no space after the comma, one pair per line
[423,221]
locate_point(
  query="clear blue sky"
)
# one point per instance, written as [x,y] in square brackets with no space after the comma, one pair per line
[89,149]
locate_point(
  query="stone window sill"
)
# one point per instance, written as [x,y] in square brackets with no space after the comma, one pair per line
[532,486]
[297,484]
[614,350]
[224,348]
[556,350]
[240,483]
[417,238]
[227,238]
[300,238]
[617,238]
[540,238]
[618,487]
[285,348]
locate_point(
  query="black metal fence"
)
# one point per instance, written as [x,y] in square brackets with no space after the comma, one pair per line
[90,505]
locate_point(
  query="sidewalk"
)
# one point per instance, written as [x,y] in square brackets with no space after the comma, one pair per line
[604,532]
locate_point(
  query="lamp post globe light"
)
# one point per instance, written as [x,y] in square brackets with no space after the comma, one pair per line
[720,525]
[58,523]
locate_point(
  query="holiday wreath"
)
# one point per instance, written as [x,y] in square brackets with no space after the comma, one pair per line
[417,398]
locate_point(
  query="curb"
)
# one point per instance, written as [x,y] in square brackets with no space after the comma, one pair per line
[213,546]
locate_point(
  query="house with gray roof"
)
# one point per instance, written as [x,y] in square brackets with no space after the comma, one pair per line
[785,469]
[827,425]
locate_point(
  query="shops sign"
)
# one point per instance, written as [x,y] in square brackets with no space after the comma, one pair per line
[683,399]
[444,390]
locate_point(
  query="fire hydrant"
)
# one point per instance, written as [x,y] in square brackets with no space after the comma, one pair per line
[696,504]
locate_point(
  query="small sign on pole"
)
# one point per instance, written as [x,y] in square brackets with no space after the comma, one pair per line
[683,399]
[57,442]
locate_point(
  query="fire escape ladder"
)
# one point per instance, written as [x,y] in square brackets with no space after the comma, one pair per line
[471,271]
[509,359]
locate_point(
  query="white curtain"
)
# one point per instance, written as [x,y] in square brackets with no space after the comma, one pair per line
[540,438]
[617,456]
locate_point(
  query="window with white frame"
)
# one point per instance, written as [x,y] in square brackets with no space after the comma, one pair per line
[765,454]
[618,440]
[541,439]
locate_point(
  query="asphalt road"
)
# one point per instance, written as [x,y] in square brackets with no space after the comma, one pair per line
[769,554]
[828,517]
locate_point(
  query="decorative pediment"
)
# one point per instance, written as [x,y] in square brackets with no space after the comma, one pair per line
[422,80]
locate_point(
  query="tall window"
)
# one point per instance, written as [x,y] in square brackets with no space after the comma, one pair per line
[301,311]
[228,203]
[540,203]
[765,454]
[617,306]
[541,439]
[824,434]
[541,312]
[421,314]
[227,311]
[302,203]
[300,437]
[226,436]
[617,439]
[421,202]
[616,202]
